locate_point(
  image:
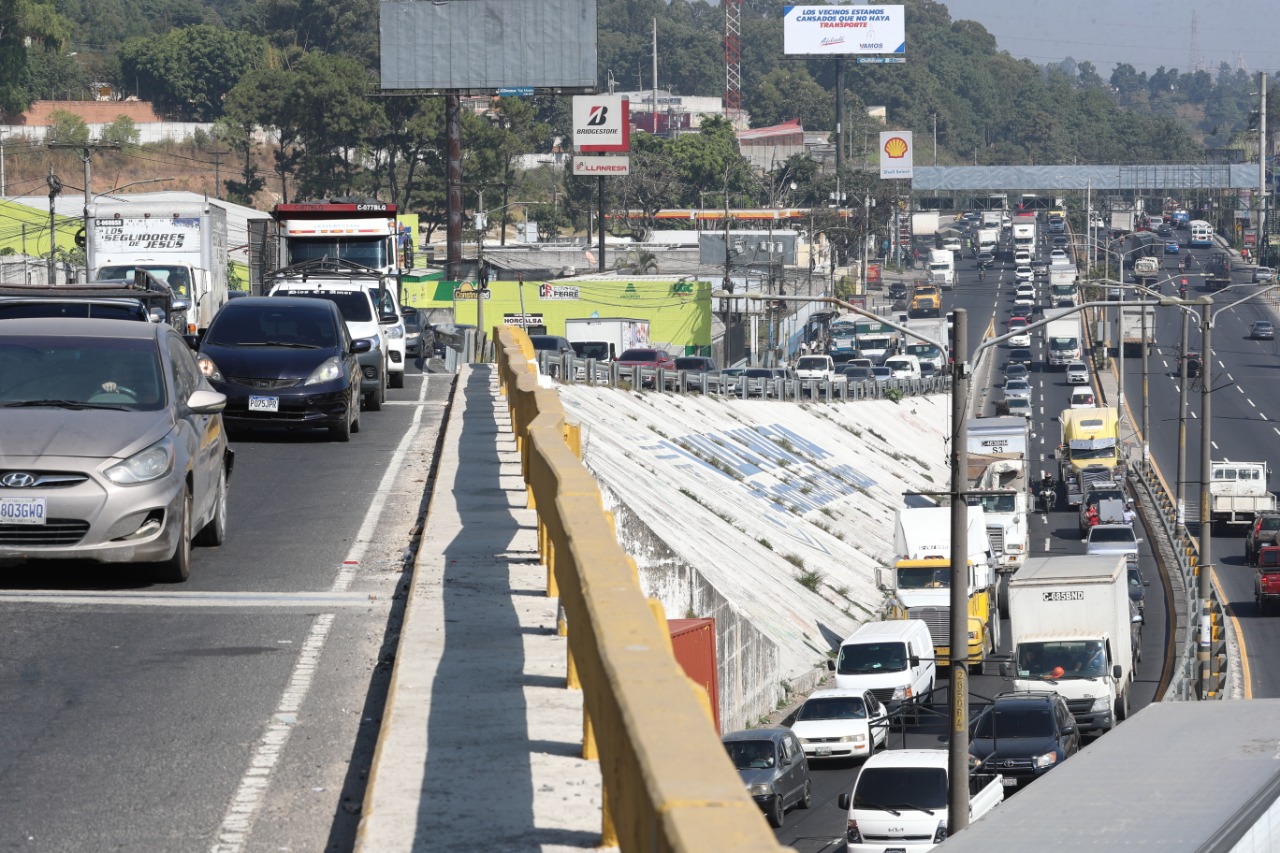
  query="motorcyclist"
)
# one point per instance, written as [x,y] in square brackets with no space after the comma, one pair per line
[982,273]
[1182,289]
[1047,489]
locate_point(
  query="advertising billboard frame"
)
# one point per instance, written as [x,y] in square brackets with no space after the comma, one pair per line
[811,31]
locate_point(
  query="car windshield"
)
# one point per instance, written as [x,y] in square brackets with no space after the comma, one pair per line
[354,304]
[177,277]
[1135,578]
[237,326]
[1112,534]
[751,754]
[899,787]
[862,658]
[1062,659]
[366,251]
[1017,385]
[544,343]
[591,349]
[998,723]
[925,577]
[833,708]
[80,372]
[692,363]
[812,362]
[639,355]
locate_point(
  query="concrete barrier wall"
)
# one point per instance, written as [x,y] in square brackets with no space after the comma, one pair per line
[770,517]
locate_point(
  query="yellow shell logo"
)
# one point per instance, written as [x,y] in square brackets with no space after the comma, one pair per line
[895,147]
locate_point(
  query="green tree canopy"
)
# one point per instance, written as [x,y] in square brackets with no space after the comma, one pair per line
[187,72]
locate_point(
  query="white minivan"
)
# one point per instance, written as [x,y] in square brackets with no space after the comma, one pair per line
[903,366]
[893,659]
[820,367]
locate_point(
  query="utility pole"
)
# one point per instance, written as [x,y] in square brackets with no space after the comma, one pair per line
[55,187]
[839,116]
[217,171]
[1182,431]
[86,152]
[1262,173]
[958,745]
[4,185]
[1205,567]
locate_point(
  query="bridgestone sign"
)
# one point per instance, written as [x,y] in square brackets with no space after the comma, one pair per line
[601,123]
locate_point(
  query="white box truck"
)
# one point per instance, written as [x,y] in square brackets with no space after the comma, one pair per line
[1063,338]
[182,243]
[1024,232]
[942,268]
[998,482]
[1132,330]
[1070,621]
[934,328]
[924,223]
[988,238]
[899,801]
[613,335]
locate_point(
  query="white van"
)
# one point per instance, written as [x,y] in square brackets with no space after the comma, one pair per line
[893,659]
[1082,397]
[903,366]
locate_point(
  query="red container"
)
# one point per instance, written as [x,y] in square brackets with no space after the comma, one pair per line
[694,644]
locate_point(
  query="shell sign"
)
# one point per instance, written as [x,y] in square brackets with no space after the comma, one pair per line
[895,154]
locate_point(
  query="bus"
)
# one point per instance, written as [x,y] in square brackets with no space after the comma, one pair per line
[1201,233]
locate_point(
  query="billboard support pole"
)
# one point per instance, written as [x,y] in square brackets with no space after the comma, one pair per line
[839,115]
[600,204]
[453,184]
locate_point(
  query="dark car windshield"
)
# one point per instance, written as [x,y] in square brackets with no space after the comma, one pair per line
[833,708]
[366,251]
[261,326]
[751,754]
[1015,723]
[862,658]
[591,349]
[354,305]
[639,355]
[81,372]
[894,787]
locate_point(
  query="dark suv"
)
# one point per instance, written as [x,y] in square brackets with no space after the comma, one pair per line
[1024,735]
[1262,532]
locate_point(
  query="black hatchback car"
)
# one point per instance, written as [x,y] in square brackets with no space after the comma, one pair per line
[1024,735]
[285,362]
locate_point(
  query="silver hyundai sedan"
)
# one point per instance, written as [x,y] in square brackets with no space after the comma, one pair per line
[111,445]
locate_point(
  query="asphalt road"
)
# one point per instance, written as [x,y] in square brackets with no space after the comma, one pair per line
[989,301]
[236,711]
[1246,427]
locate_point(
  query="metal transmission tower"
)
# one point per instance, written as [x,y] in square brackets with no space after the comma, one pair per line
[1195,62]
[733,58]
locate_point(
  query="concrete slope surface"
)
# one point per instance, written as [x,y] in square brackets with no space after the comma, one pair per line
[770,517]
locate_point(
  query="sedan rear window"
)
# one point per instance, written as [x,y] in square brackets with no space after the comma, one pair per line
[354,305]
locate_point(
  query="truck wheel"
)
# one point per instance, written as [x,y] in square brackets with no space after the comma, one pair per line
[1122,706]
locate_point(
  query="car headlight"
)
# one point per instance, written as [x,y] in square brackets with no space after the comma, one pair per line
[1102,703]
[759,790]
[1047,760]
[329,371]
[144,466]
[1015,548]
[208,368]
[902,693]
[395,332]
[853,739]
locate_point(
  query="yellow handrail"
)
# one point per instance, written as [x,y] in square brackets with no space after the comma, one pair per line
[668,784]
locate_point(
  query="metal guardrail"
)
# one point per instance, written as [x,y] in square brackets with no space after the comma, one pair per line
[668,783]
[1186,561]
[588,371]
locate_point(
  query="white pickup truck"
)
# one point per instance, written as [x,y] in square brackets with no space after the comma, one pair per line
[1239,491]
[899,801]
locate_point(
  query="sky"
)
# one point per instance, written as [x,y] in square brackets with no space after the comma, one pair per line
[1145,35]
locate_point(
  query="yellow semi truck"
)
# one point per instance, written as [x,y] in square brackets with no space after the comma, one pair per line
[1089,452]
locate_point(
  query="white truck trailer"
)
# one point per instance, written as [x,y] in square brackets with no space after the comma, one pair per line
[1071,622]
[1024,232]
[998,482]
[899,801]
[613,335]
[988,237]
[1063,338]
[1238,492]
[924,223]
[182,243]
[934,328]
[1132,331]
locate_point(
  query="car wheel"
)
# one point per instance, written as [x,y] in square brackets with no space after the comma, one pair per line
[777,813]
[214,533]
[177,568]
[342,431]
[807,800]
[373,400]
[397,379]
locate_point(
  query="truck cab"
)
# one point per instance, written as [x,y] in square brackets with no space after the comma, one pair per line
[1239,492]
[899,801]
[1089,450]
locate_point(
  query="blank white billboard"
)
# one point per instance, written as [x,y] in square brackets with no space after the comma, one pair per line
[488,44]
[843,30]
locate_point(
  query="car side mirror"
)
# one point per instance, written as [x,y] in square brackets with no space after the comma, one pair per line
[914,660]
[360,345]
[193,341]
[843,801]
[1146,583]
[831,665]
[1115,671]
[1006,670]
[389,319]
[1068,730]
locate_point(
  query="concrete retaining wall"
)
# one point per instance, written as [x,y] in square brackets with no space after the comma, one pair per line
[783,512]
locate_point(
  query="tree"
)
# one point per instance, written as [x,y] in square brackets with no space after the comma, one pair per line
[122,131]
[188,72]
[67,127]
[24,22]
